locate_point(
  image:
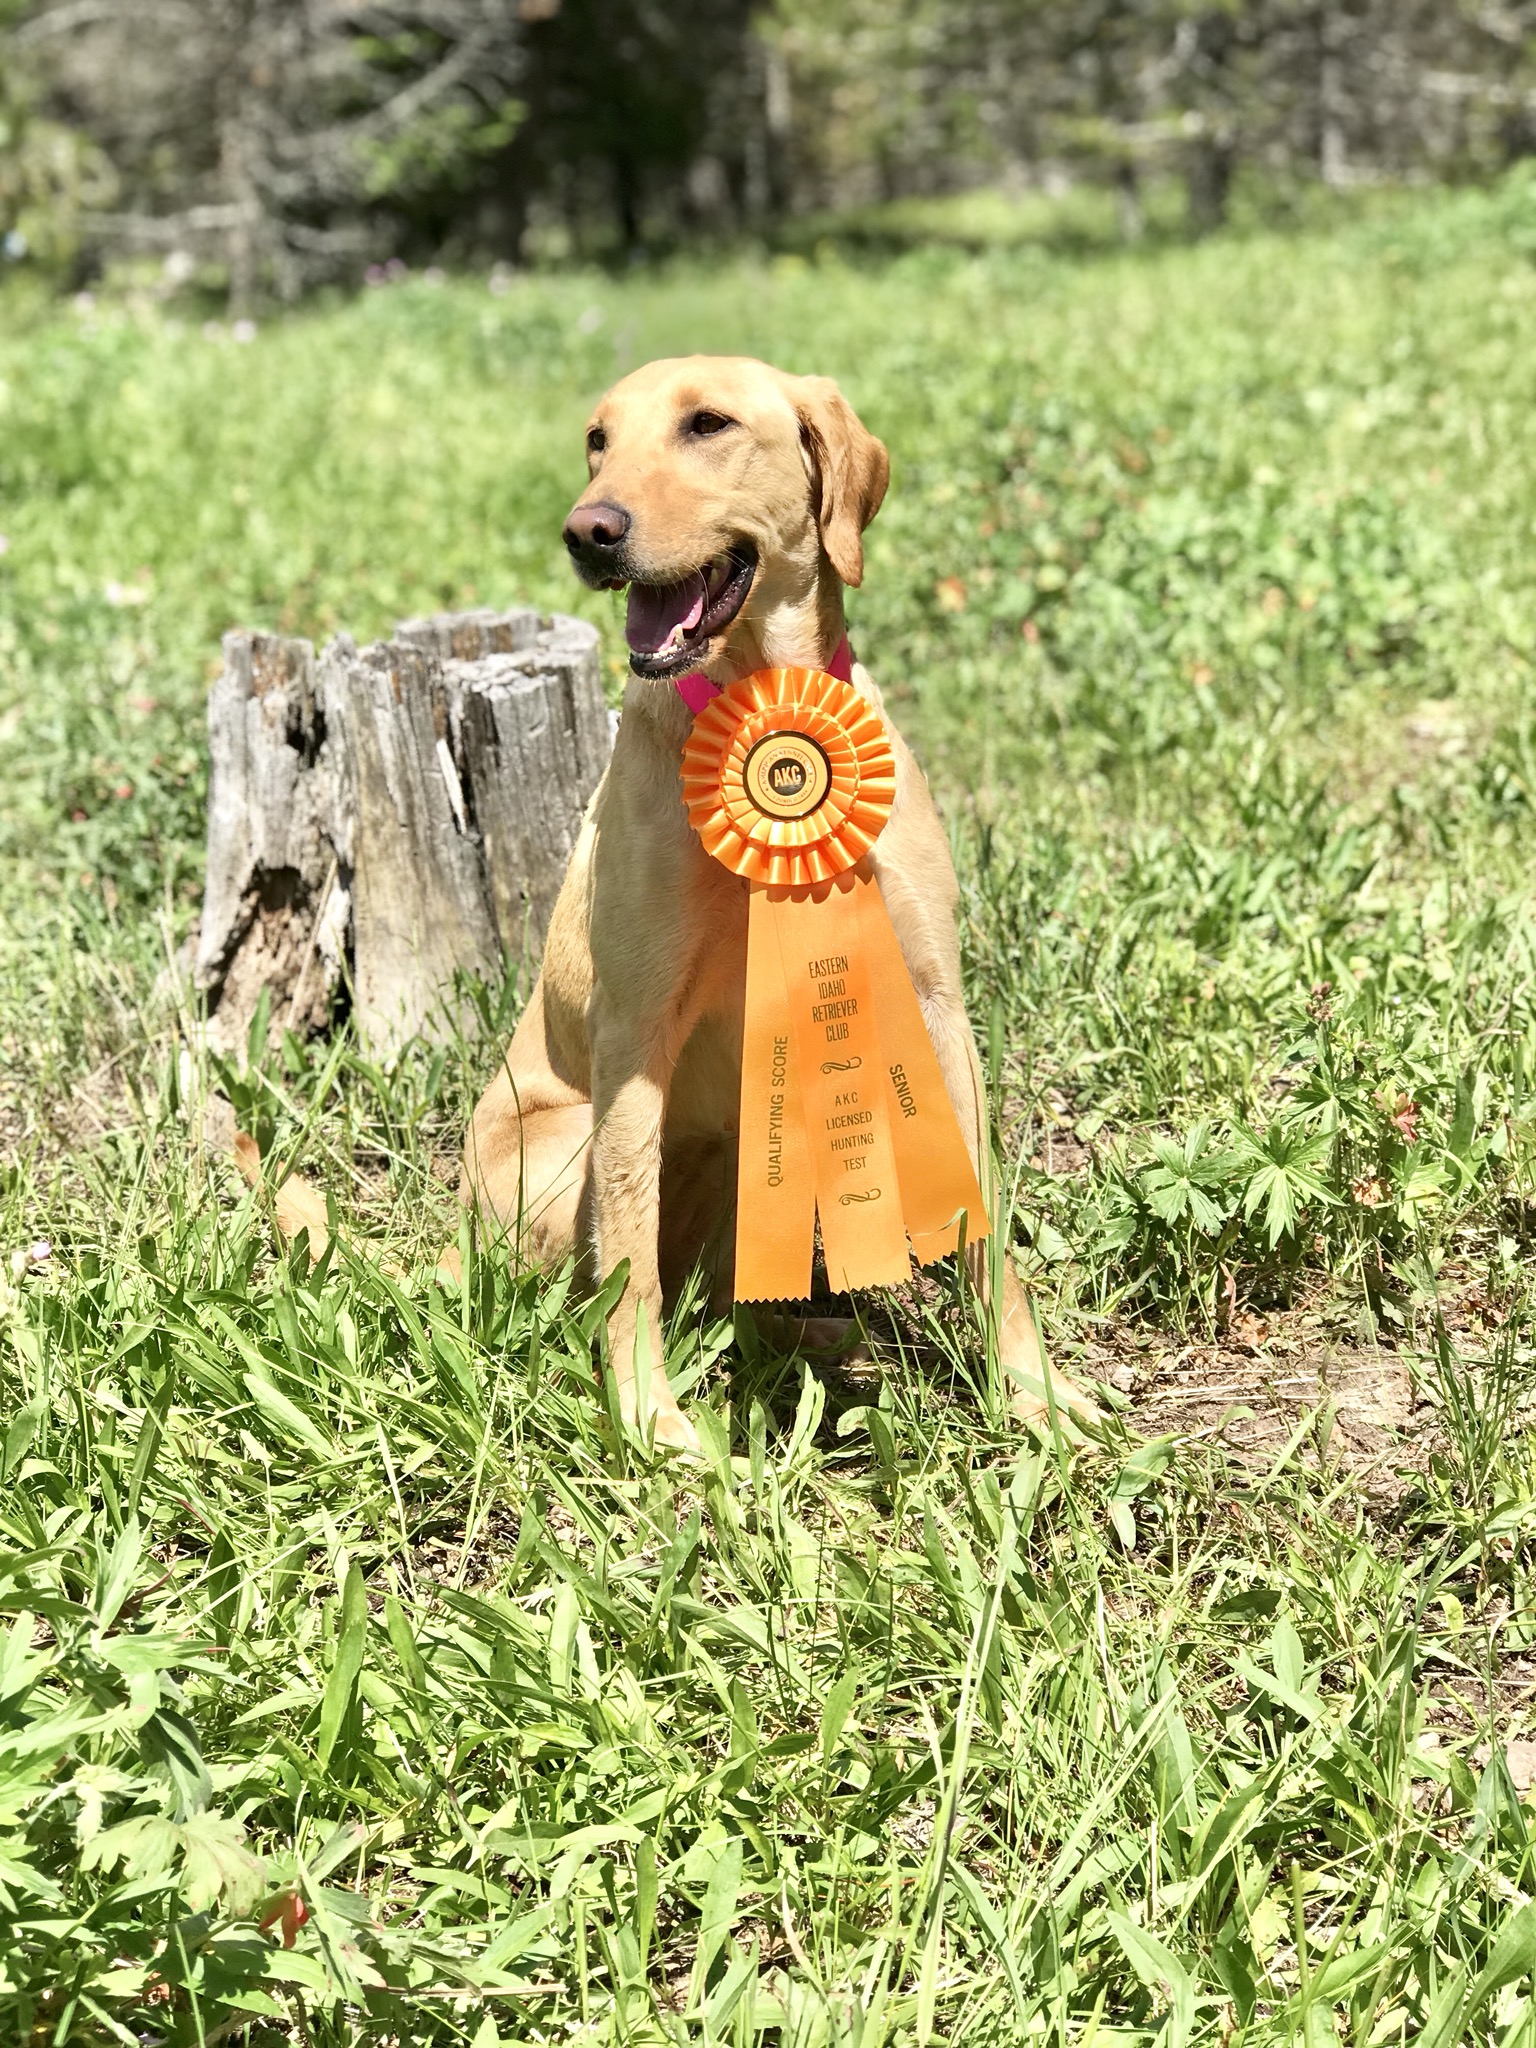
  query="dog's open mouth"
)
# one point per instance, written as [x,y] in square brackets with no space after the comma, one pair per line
[669,625]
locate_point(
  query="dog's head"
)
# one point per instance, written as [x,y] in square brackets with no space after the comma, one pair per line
[731,499]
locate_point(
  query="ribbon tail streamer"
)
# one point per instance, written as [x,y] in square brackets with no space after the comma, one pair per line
[933,1162]
[833,1008]
[775,1187]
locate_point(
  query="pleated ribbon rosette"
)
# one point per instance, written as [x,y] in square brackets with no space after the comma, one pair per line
[789,779]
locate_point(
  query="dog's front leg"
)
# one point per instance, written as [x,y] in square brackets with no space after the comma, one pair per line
[629,1101]
[1020,1352]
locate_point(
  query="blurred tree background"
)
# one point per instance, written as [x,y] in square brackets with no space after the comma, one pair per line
[275,144]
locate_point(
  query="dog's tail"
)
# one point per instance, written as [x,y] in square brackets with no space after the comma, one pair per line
[297,1204]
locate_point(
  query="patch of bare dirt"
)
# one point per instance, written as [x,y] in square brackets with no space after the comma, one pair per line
[1062,1153]
[1357,1407]
[442,1560]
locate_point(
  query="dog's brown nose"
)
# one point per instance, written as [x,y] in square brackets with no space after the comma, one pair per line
[596,529]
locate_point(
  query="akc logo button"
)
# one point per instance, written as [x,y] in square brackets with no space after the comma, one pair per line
[786,775]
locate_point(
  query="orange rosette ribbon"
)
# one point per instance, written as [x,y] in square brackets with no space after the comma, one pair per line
[789,779]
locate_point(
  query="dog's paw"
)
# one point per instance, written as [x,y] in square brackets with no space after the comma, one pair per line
[1028,1401]
[665,1424]
[672,1428]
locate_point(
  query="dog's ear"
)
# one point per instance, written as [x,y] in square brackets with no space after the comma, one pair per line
[849,470]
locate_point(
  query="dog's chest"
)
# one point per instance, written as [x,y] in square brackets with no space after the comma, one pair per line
[706,1082]
[718,980]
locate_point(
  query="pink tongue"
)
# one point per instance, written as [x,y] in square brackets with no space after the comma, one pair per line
[654,609]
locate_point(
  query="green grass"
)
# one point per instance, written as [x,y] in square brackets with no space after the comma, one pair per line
[1205,593]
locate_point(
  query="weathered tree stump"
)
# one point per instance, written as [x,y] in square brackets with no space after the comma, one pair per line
[274,914]
[392,815]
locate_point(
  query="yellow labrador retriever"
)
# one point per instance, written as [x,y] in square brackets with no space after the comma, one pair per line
[730,500]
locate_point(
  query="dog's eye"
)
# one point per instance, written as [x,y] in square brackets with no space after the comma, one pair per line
[707,422]
[597,440]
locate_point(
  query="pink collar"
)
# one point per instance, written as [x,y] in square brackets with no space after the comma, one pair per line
[696,690]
